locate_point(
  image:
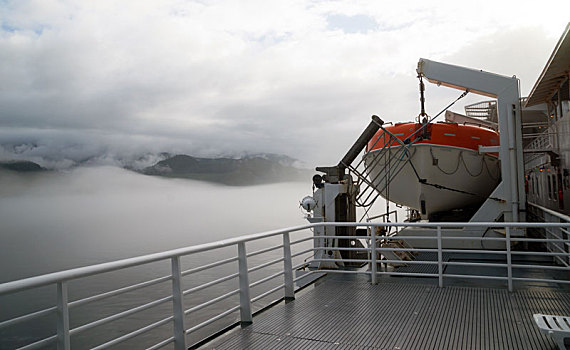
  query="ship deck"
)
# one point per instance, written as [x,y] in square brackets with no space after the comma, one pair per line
[348,312]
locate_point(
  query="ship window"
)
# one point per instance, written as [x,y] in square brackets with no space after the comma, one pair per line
[549,187]
[566,181]
[529,184]
[554,188]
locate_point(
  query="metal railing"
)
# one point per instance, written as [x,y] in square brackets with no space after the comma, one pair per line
[178,293]
[486,110]
[555,238]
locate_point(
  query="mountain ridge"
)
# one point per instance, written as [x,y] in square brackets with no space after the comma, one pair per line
[250,170]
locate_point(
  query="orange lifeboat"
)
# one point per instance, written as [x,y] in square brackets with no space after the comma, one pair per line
[433,168]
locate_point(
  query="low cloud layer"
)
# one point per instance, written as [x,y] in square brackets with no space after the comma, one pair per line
[212,78]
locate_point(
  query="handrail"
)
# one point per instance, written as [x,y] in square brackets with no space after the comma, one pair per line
[51,278]
[39,281]
[61,278]
[551,212]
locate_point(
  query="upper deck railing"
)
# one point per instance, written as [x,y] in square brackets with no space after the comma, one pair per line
[552,242]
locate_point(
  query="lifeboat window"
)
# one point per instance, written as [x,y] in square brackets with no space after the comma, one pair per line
[554,187]
[566,180]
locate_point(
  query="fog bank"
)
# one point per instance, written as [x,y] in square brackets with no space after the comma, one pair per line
[95,214]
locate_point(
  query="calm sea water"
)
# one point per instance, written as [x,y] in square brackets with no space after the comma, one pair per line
[56,221]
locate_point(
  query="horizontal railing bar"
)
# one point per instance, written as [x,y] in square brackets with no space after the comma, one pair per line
[477,277]
[446,224]
[344,260]
[211,320]
[269,263]
[210,302]
[547,267]
[302,240]
[134,334]
[539,253]
[119,315]
[342,249]
[403,238]
[454,263]
[38,281]
[119,291]
[209,266]
[357,272]
[538,240]
[406,250]
[40,343]
[412,262]
[539,280]
[211,283]
[263,295]
[264,250]
[340,237]
[414,274]
[27,317]
[161,344]
[265,279]
[476,251]
[302,252]
[500,239]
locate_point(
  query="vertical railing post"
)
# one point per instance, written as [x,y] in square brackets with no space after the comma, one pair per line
[244,296]
[288,268]
[373,264]
[566,242]
[439,257]
[63,340]
[178,305]
[548,234]
[509,261]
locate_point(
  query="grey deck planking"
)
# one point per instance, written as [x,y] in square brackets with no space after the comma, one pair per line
[356,315]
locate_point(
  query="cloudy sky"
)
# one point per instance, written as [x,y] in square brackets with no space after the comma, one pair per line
[214,78]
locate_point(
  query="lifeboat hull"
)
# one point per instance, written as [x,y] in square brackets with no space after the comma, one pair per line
[430,175]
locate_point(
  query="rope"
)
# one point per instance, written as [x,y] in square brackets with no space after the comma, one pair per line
[461,160]
[441,187]
[437,115]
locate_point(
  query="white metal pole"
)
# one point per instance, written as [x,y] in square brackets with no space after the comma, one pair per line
[513,163]
[63,340]
[178,305]
[244,296]
[288,268]
[509,260]
[439,257]
[373,263]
